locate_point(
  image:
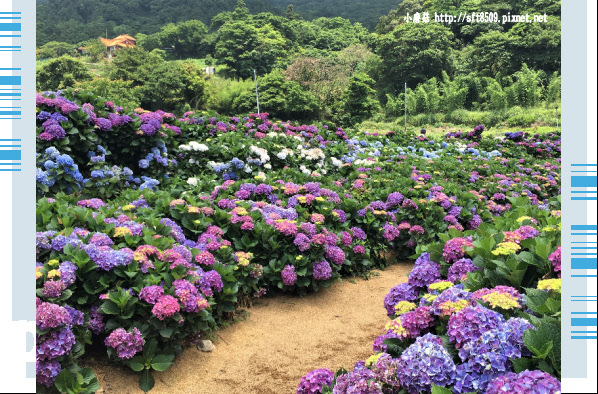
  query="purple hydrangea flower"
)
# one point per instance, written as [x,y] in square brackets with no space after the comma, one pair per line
[46,371]
[385,371]
[335,254]
[55,344]
[459,270]
[402,292]
[322,270]
[470,323]
[425,362]
[360,380]
[126,344]
[96,321]
[526,382]
[289,276]
[379,345]
[48,315]
[418,321]
[424,274]
[315,380]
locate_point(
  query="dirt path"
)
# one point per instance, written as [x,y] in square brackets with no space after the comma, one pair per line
[282,339]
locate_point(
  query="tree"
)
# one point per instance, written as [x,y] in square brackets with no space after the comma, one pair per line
[413,53]
[120,92]
[135,64]
[241,12]
[491,53]
[538,45]
[243,47]
[96,49]
[395,17]
[358,99]
[61,73]
[290,13]
[280,98]
[55,49]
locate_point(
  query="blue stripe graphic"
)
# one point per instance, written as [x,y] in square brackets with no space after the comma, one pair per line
[584,322]
[583,181]
[583,264]
[10,155]
[10,27]
[10,80]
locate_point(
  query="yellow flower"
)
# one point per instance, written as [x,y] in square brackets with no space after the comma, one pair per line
[430,297]
[53,263]
[53,273]
[550,284]
[302,199]
[193,209]
[240,211]
[38,272]
[521,219]
[299,257]
[548,229]
[506,248]
[122,231]
[372,359]
[417,186]
[396,326]
[320,199]
[128,207]
[449,307]
[441,286]
[501,300]
[404,307]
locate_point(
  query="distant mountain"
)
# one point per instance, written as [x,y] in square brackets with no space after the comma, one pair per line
[365,12]
[74,21]
[79,20]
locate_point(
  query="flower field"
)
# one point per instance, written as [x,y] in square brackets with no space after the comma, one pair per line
[154,230]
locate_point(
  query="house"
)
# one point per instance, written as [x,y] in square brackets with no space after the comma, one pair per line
[114,44]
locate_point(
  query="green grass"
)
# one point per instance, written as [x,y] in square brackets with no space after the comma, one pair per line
[539,119]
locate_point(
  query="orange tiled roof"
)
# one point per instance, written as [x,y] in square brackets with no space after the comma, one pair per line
[122,41]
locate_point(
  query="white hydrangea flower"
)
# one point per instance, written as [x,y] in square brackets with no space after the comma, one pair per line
[268,166]
[192,181]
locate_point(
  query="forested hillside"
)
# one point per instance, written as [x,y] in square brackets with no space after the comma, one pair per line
[365,12]
[78,20]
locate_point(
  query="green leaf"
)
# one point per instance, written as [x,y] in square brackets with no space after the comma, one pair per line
[137,363]
[538,345]
[166,332]
[64,380]
[150,348]
[162,361]
[87,374]
[146,381]
[110,308]
[440,390]
[521,364]
[93,386]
